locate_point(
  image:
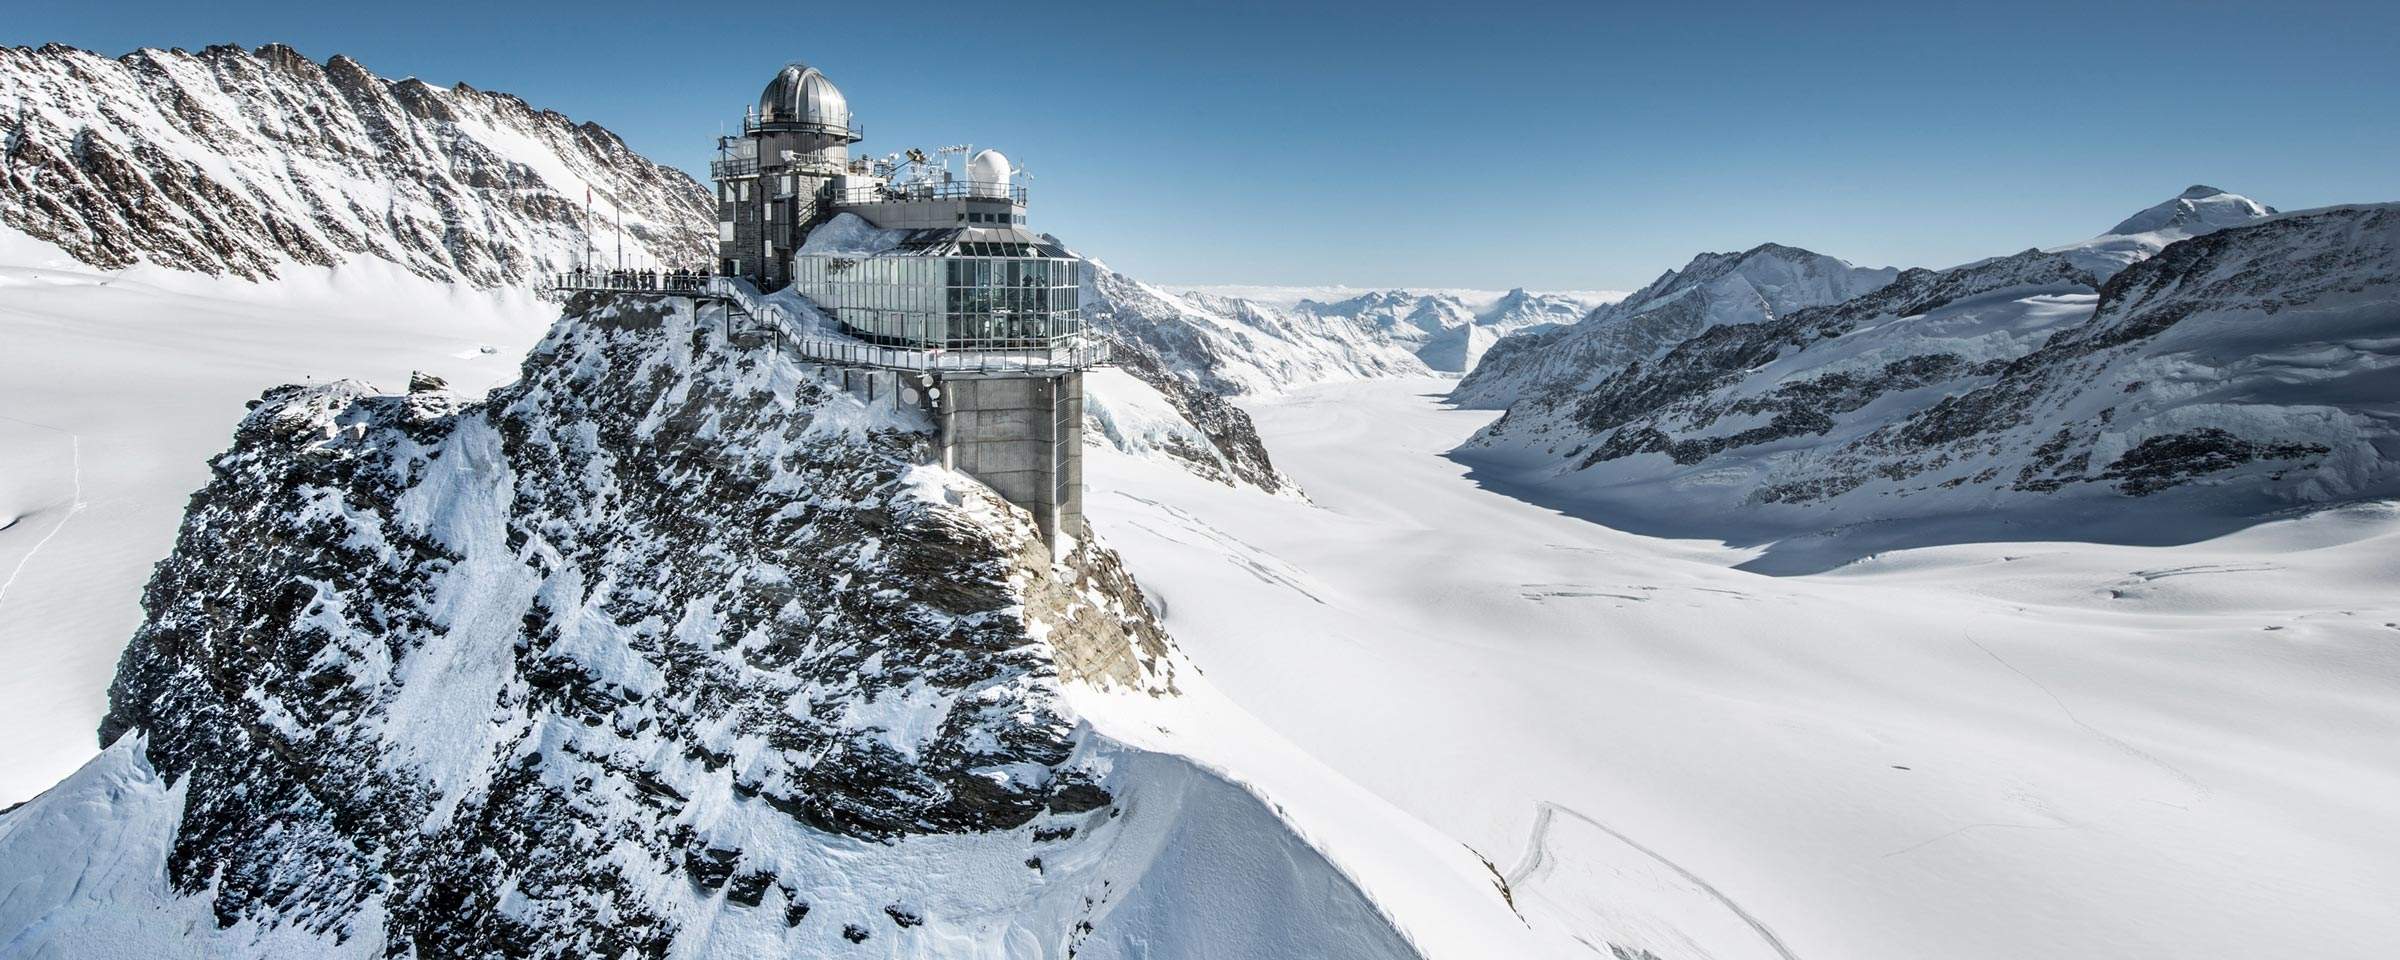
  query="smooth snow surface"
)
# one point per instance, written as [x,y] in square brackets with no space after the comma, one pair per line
[116,387]
[1976,751]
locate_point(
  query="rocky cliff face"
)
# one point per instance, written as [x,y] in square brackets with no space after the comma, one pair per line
[239,162]
[1759,284]
[668,647]
[2242,369]
[1205,433]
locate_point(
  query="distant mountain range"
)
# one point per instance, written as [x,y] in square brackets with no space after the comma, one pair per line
[2207,351]
[1266,339]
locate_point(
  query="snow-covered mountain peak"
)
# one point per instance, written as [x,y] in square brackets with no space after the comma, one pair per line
[2198,209]
[1713,289]
[244,162]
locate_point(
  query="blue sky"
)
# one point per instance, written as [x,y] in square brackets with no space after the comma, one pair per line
[1548,145]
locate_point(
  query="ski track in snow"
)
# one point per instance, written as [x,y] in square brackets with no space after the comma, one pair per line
[1537,855]
[75,503]
[2199,790]
[1244,556]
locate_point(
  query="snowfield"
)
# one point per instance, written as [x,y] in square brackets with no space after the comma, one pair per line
[116,387]
[1973,751]
[1990,750]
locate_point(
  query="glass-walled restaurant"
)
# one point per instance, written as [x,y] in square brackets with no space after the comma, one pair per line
[951,301]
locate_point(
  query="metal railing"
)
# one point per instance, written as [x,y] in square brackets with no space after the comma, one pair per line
[947,190]
[1075,353]
[678,283]
[1058,356]
[852,129]
[748,166]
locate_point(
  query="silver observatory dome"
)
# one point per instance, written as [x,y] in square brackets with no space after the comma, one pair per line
[800,98]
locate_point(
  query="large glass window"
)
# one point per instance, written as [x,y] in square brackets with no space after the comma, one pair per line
[962,302]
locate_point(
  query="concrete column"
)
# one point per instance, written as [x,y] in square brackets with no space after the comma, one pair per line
[1023,437]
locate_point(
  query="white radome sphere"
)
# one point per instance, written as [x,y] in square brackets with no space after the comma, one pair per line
[987,171]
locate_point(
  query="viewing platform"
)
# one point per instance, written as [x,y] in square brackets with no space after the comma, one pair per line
[748,167]
[940,190]
[1058,356]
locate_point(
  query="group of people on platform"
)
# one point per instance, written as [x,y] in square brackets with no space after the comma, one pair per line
[587,278]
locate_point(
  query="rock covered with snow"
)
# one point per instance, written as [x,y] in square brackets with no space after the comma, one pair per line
[240,162]
[1714,289]
[1137,408]
[667,648]
[2197,210]
[2236,372]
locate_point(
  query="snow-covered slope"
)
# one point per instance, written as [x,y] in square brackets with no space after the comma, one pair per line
[2240,371]
[183,230]
[231,161]
[116,387]
[668,649]
[1968,752]
[2195,211]
[1713,289]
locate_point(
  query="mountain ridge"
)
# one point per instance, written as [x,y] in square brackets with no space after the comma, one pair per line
[238,162]
[2025,387]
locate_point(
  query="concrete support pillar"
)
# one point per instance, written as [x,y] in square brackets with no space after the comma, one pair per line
[1023,437]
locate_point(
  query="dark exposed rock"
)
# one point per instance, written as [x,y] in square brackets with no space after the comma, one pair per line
[472,662]
[2164,461]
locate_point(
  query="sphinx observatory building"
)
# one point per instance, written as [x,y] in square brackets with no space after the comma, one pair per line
[968,313]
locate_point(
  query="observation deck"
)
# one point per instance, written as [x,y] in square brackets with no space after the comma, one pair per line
[749,167]
[937,190]
[1043,359]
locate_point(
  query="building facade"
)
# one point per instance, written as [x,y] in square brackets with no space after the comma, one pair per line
[990,312]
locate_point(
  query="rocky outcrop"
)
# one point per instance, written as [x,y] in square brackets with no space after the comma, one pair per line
[1227,449]
[479,678]
[242,162]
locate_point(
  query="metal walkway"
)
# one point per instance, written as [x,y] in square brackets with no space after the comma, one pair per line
[815,345]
